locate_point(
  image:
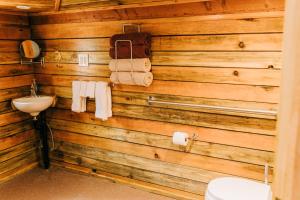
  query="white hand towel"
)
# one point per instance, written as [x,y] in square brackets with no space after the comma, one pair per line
[83,87]
[109,102]
[103,100]
[76,100]
[90,89]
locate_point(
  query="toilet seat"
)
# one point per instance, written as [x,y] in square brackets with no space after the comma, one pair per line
[229,188]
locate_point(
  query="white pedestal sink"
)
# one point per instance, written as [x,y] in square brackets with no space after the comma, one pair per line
[33,104]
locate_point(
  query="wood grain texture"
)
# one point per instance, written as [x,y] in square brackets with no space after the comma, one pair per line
[134,98]
[251,42]
[231,60]
[267,94]
[17,136]
[243,76]
[14,32]
[135,173]
[13,19]
[148,139]
[171,192]
[242,139]
[193,59]
[137,162]
[207,163]
[160,27]
[187,9]
[35,5]
[210,120]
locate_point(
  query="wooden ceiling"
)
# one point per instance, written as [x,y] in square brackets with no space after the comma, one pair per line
[62,5]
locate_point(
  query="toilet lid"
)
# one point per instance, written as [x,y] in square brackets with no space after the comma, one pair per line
[230,188]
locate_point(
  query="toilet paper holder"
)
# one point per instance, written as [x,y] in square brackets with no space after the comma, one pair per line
[189,140]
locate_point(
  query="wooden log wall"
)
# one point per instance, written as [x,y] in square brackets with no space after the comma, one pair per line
[17,136]
[231,60]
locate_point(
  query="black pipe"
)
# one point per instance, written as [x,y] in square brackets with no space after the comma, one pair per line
[41,126]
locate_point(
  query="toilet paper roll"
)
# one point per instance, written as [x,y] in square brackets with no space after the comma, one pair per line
[180,138]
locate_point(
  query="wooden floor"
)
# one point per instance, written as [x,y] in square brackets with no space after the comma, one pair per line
[58,184]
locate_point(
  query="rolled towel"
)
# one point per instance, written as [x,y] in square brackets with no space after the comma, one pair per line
[127,65]
[124,52]
[136,38]
[135,78]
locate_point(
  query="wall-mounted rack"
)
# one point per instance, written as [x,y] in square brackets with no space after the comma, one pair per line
[31,62]
[152,100]
[131,28]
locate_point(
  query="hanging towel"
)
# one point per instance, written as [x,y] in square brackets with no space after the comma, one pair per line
[125,65]
[76,100]
[90,89]
[135,78]
[124,52]
[136,38]
[103,101]
[83,87]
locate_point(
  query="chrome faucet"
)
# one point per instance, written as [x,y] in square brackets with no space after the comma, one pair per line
[34,88]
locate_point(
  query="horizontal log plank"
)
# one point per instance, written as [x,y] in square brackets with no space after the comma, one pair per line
[11,19]
[11,93]
[17,171]
[14,70]
[219,136]
[227,122]
[138,162]
[5,107]
[17,150]
[18,161]
[220,91]
[146,138]
[9,46]
[134,173]
[11,32]
[14,128]
[15,81]
[142,99]
[133,98]
[9,142]
[218,75]
[161,27]
[194,59]
[251,42]
[166,11]
[263,126]
[13,117]
[178,194]
[9,58]
[170,73]
[192,160]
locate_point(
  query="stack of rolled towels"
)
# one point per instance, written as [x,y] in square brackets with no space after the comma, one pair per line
[135,71]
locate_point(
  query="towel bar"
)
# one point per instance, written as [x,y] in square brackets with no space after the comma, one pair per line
[151,100]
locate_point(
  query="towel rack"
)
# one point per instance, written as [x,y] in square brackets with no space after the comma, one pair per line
[131,57]
[152,100]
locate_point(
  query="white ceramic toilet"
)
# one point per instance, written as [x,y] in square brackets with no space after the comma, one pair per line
[230,188]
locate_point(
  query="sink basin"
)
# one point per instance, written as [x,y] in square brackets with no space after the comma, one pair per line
[33,105]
